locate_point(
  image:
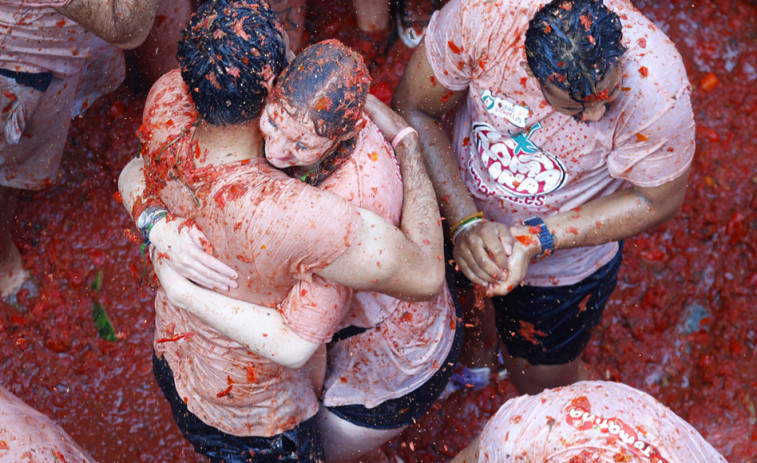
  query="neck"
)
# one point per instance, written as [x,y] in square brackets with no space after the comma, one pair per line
[230,143]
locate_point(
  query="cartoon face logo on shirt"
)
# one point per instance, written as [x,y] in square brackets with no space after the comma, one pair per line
[517,166]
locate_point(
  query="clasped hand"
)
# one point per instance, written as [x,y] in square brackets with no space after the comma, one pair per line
[490,257]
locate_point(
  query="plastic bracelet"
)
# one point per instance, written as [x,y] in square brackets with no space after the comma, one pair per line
[465,223]
[465,226]
[401,134]
[147,219]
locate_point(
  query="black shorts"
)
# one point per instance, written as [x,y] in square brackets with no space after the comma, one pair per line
[552,325]
[300,444]
[405,410]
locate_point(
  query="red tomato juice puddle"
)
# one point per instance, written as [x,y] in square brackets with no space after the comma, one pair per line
[680,325]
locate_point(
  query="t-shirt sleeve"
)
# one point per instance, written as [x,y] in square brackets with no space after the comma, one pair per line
[447,47]
[654,140]
[167,113]
[315,308]
[464,37]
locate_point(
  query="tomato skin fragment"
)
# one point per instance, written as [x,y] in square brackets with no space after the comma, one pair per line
[709,81]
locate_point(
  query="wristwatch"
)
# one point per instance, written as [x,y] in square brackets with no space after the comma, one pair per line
[148,218]
[545,237]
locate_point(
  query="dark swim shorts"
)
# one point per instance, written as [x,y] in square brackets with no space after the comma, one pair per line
[552,325]
[405,410]
[300,444]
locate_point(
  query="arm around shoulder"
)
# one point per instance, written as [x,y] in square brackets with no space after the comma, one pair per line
[407,263]
[382,258]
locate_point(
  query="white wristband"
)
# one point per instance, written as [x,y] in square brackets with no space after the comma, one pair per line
[466,226]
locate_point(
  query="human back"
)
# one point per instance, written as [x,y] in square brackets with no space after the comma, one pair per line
[592,421]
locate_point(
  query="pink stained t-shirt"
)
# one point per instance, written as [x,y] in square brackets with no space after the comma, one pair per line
[239,207]
[406,342]
[33,125]
[36,38]
[520,158]
[592,421]
[28,436]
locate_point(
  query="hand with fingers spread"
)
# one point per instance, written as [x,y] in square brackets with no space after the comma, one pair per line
[184,245]
[482,251]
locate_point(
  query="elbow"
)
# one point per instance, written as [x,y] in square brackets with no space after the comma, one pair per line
[292,362]
[297,353]
[427,283]
[128,39]
[434,281]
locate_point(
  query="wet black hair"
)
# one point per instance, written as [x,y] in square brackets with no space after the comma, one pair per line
[329,83]
[227,52]
[573,44]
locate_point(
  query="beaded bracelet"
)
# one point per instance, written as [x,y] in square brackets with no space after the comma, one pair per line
[464,224]
[402,134]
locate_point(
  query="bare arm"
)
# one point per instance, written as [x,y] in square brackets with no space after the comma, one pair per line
[614,217]
[123,23]
[183,245]
[407,263]
[260,329]
[423,101]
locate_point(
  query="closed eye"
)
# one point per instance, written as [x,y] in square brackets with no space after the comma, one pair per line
[300,146]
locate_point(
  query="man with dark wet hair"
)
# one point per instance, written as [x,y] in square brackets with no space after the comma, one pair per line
[203,151]
[574,49]
[573,131]
[227,71]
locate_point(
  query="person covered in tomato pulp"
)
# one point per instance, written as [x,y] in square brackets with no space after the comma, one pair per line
[393,369]
[572,130]
[203,158]
[226,399]
[592,421]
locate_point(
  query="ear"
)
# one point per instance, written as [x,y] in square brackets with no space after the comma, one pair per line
[359,125]
[524,65]
[269,84]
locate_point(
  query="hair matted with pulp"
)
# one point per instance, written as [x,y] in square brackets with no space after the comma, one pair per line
[328,82]
[573,44]
[227,52]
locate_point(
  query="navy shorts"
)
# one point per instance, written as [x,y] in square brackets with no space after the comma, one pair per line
[300,444]
[552,325]
[405,410]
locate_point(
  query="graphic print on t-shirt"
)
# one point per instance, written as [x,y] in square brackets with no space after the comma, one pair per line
[618,432]
[515,113]
[515,164]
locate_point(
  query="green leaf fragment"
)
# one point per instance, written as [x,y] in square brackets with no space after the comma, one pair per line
[98,284]
[102,322]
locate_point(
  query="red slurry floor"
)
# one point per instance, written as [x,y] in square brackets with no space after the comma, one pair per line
[680,326]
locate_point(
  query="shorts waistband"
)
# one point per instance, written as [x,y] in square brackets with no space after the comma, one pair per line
[39,81]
